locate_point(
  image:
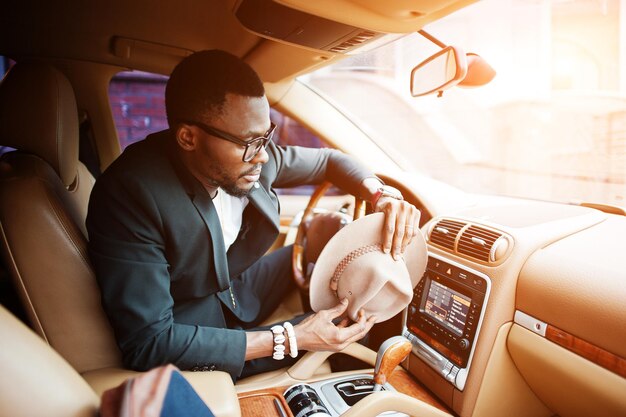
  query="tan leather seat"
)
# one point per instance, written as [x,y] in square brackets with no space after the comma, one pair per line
[35,380]
[44,192]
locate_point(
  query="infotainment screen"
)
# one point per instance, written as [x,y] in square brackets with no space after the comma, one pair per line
[447,306]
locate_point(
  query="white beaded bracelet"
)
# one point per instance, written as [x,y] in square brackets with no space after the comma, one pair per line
[278,333]
[293,344]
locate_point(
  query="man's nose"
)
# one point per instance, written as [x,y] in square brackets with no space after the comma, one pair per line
[261,157]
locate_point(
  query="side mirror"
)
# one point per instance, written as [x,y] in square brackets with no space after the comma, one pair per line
[441,71]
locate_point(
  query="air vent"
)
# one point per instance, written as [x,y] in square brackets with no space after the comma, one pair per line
[444,233]
[353,42]
[480,243]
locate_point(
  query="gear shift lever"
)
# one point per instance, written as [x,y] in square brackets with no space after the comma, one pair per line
[393,351]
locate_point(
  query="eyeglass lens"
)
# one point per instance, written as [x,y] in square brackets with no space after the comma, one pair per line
[254,148]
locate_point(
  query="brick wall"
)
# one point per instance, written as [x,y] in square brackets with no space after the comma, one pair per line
[138,104]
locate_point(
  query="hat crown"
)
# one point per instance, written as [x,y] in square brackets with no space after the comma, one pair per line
[374,281]
[353,265]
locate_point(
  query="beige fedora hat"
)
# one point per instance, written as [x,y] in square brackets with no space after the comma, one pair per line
[353,265]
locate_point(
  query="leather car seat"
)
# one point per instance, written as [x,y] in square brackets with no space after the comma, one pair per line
[44,193]
[36,381]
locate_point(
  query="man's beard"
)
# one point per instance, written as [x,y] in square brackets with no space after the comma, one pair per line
[230,186]
[233,190]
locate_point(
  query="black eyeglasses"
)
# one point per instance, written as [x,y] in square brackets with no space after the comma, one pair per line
[253,146]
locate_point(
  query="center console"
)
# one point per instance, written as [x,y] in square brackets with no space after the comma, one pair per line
[444,318]
[331,397]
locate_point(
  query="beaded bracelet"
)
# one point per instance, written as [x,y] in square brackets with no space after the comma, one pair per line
[293,344]
[278,334]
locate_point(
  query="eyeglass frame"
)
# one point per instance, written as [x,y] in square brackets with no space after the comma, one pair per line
[213,131]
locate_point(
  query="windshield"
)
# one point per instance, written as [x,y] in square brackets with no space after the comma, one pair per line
[551,125]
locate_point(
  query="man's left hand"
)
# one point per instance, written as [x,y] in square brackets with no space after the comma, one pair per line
[401,224]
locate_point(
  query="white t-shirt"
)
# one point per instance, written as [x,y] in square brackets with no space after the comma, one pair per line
[230,211]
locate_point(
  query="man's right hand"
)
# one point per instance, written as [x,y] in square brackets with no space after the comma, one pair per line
[319,333]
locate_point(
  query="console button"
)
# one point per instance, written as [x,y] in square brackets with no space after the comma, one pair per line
[452,375]
[464,344]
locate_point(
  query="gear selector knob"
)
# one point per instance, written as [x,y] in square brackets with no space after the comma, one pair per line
[393,351]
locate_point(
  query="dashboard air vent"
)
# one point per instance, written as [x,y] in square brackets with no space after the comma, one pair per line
[480,243]
[444,233]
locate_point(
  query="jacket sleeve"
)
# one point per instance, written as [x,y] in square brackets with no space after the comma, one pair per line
[297,165]
[128,250]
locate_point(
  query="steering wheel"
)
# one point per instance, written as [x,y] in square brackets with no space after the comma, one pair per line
[297,258]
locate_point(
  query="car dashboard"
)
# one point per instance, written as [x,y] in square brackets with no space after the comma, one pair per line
[519,297]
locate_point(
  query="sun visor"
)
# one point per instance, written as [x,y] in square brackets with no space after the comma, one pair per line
[277,22]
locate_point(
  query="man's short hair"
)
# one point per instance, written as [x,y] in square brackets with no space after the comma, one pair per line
[198,85]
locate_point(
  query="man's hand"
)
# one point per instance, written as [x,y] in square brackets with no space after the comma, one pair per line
[401,224]
[319,333]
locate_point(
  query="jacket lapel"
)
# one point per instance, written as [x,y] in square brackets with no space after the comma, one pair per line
[203,203]
[206,209]
[260,198]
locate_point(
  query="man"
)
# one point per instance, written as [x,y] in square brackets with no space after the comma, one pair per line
[179,224]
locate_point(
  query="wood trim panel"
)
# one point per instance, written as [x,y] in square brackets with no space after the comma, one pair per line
[599,356]
[261,403]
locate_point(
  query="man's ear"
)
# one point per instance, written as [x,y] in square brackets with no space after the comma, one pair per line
[185,137]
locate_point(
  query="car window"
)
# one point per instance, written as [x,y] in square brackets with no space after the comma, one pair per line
[291,132]
[550,124]
[138,104]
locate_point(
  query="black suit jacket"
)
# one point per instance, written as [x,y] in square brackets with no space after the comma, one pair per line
[157,247]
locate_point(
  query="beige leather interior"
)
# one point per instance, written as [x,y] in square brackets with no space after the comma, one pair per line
[571,293]
[533,225]
[44,191]
[568,384]
[379,402]
[563,262]
[388,16]
[504,392]
[35,380]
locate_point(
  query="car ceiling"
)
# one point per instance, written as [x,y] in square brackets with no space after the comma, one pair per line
[89,30]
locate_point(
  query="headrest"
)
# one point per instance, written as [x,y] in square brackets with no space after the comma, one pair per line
[38,114]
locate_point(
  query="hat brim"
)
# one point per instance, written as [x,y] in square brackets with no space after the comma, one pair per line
[365,231]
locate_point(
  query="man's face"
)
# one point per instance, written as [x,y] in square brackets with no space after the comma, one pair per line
[217,162]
